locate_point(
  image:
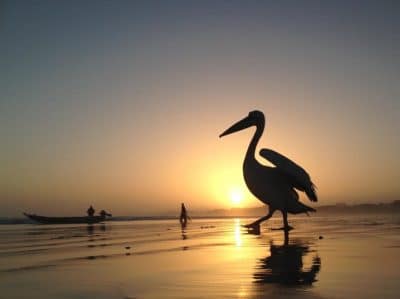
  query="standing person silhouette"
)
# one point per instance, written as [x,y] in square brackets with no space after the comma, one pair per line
[90,211]
[184,217]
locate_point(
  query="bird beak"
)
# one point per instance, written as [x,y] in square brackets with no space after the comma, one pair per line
[240,125]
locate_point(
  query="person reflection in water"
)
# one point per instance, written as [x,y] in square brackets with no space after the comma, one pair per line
[285,265]
[90,211]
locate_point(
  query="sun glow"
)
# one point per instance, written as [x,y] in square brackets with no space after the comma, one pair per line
[236,196]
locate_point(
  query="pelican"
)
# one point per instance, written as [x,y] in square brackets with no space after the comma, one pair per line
[274,186]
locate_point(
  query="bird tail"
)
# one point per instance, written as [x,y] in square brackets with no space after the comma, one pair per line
[310,209]
[307,208]
[312,193]
[300,208]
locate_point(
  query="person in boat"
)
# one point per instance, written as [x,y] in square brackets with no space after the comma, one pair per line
[90,211]
[184,216]
[103,214]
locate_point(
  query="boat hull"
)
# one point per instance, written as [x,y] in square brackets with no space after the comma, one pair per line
[65,220]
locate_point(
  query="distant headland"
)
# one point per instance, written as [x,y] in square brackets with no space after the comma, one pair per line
[340,208]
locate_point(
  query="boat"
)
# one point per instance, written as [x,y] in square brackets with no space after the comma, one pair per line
[66,220]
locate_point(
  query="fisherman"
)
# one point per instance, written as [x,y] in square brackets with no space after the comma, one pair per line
[90,211]
[103,214]
[184,217]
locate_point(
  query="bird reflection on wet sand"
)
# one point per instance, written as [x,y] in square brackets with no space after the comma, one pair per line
[285,264]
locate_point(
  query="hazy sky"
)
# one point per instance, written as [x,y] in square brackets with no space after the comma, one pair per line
[119,104]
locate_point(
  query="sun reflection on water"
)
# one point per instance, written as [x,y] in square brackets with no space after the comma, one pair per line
[238,236]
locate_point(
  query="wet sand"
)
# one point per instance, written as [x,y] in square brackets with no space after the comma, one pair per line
[357,257]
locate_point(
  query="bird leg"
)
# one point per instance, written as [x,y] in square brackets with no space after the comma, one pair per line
[286,226]
[255,226]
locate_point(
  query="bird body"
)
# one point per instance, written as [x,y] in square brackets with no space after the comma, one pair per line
[274,186]
[297,176]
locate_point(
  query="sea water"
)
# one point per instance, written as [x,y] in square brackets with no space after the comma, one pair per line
[341,256]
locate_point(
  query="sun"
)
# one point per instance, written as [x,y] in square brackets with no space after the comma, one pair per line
[236,196]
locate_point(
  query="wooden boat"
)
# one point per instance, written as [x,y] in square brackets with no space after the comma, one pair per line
[66,220]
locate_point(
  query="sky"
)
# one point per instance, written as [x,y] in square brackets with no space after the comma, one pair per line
[119,104]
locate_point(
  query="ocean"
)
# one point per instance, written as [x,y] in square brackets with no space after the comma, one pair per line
[338,256]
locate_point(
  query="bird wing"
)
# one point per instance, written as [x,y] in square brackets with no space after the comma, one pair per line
[301,178]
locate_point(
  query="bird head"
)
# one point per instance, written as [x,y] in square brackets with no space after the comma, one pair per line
[255,118]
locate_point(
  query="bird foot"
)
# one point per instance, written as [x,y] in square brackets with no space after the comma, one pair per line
[252,228]
[288,228]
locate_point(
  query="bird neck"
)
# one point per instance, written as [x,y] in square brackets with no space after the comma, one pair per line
[251,150]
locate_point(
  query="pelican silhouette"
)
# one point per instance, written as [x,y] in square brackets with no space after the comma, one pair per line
[274,186]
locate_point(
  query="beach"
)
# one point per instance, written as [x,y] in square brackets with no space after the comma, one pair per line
[341,256]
